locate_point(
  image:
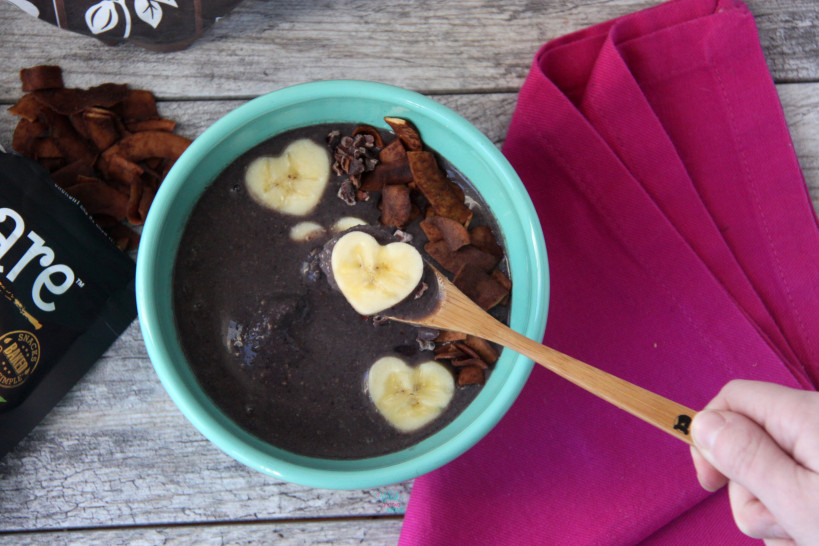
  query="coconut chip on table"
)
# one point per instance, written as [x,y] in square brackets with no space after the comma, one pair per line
[106,146]
[412,187]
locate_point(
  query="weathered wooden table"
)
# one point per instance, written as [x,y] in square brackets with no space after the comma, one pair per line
[115,462]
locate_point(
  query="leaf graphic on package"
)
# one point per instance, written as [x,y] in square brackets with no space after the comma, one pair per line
[149,11]
[2,399]
[27,6]
[102,17]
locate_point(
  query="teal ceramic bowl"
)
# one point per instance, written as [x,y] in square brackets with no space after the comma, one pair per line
[340,101]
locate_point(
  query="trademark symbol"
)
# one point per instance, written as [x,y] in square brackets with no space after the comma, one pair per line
[79,282]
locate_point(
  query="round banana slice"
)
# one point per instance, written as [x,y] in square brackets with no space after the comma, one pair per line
[293,182]
[374,277]
[306,231]
[345,223]
[409,398]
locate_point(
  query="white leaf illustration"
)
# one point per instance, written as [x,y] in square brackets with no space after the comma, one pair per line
[28,7]
[102,17]
[149,11]
[171,3]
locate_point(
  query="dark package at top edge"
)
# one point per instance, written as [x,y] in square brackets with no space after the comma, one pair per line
[159,25]
[66,293]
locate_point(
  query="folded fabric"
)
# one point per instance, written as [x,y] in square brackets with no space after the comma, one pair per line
[683,253]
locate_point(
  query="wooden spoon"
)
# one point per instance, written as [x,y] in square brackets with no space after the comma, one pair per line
[455,311]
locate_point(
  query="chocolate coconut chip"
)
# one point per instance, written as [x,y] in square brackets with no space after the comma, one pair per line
[106,146]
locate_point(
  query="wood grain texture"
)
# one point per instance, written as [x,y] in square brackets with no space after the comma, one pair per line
[800,103]
[373,532]
[429,46]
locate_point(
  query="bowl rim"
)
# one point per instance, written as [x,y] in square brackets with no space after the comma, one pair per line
[256,454]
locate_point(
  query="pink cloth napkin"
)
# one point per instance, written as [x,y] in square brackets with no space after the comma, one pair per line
[683,252]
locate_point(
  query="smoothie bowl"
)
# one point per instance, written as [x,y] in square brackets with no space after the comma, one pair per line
[263,355]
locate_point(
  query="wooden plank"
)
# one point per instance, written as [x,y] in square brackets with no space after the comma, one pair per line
[433,47]
[374,532]
[789,34]
[800,103]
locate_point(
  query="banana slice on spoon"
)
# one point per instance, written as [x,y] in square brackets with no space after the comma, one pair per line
[373,277]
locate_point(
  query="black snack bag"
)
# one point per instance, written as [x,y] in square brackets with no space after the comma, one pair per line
[161,25]
[66,294]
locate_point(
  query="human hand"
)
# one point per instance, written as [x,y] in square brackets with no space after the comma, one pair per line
[762,440]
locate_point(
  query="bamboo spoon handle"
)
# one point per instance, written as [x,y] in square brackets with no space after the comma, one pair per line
[661,412]
[457,312]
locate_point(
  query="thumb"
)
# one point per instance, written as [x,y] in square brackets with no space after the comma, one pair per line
[743,452]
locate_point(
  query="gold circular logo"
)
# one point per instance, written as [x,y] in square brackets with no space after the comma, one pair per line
[19,355]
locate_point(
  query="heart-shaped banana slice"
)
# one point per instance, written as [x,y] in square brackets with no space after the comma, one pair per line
[409,397]
[293,182]
[374,277]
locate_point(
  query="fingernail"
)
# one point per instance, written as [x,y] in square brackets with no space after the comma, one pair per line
[705,428]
